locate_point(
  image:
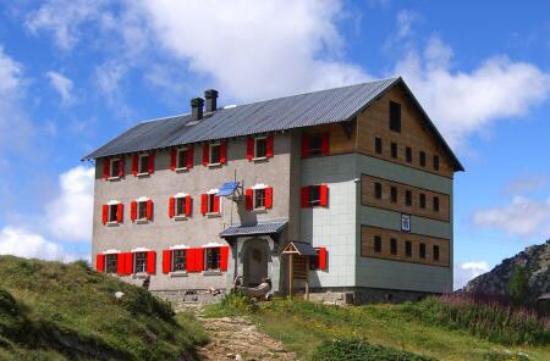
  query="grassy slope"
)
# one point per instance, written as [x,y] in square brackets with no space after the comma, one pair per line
[50,310]
[302,326]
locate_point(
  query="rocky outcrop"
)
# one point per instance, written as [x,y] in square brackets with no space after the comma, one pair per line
[536,262]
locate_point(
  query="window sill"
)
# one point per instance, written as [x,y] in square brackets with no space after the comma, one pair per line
[214,165]
[140,275]
[260,210]
[181,170]
[113,178]
[180,218]
[113,224]
[142,175]
[212,273]
[176,274]
[142,221]
[259,159]
[213,215]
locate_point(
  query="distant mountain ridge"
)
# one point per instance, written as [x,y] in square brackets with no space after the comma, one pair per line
[536,262]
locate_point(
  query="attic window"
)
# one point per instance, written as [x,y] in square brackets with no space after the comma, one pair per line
[395,117]
[182,158]
[143,163]
[215,153]
[115,168]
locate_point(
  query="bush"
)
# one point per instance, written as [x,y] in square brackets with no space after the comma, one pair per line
[357,350]
[492,321]
[234,303]
[517,287]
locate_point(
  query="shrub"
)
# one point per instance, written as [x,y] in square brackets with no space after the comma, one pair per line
[233,304]
[357,350]
[517,287]
[489,320]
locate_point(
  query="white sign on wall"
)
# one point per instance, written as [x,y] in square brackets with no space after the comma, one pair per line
[405,222]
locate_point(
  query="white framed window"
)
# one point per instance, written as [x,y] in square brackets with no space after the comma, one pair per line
[140,262]
[115,168]
[142,210]
[143,163]
[259,198]
[111,263]
[182,154]
[213,203]
[113,211]
[212,257]
[215,155]
[179,260]
[260,147]
[181,206]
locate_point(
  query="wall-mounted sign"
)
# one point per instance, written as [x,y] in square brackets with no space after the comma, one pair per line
[405,222]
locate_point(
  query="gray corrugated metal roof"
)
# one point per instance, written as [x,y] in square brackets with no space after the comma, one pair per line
[296,111]
[254,229]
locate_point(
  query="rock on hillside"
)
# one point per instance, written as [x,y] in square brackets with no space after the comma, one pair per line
[535,259]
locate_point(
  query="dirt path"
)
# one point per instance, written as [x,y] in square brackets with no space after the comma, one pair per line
[235,338]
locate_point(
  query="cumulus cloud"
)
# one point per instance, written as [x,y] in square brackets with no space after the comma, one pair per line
[522,217]
[61,84]
[462,103]
[466,271]
[405,21]
[24,243]
[70,214]
[526,184]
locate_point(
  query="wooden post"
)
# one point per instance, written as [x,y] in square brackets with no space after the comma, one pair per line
[307,278]
[290,275]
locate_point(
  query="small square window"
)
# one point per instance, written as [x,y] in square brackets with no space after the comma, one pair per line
[215,153]
[212,259]
[377,244]
[394,150]
[115,167]
[395,117]
[142,210]
[436,162]
[422,250]
[315,144]
[260,147]
[259,198]
[436,204]
[436,253]
[113,208]
[409,155]
[408,249]
[140,262]
[183,153]
[178,260]
[422,200]
[111,263]
[393,246]
[408,198]
[378,145]
[314,196]
[422,159]
[143,163]
[394,194]
[378,190]
[180,206]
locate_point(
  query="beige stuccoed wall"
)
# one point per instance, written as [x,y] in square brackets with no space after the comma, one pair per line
[164,232]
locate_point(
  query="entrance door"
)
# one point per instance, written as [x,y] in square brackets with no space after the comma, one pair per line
[256,260]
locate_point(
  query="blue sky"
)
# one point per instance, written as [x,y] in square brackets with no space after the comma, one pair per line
[73,74]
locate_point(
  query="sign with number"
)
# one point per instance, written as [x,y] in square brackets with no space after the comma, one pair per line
[405,223]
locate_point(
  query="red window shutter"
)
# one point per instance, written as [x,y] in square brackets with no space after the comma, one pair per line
[190,157]
[216,204]
[106,168]
[129,263]
[166,261]
[224,258]
[188,206]
[305,197]
[121,263]
[173,158]
[151,163]
[205,154]
[151,262]
[249,199]
[105,213]
[323,258]
[100,262]
[199,260]
[121,166]
[135,166]
[269,197]
[133,211]
[149,209]
[190,259]
[269,146]
[323,190]
[171,207]
[305,146]
[325,144]
[250,148]
[223,152]
[204,203]
[195,260]
[120,213]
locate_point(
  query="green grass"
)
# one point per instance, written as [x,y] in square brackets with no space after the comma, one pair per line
[55,311]
[303,326]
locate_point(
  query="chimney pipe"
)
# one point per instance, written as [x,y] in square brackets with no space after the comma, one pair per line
[211,96]
[196,108]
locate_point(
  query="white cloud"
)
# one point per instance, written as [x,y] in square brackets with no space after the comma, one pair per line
[69,215]
[11,73]
[63,18]
[523,217]
[405,20]
[255,49]
[466,271]
[62,84]
[526,184]
[466,102]
[23,243]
